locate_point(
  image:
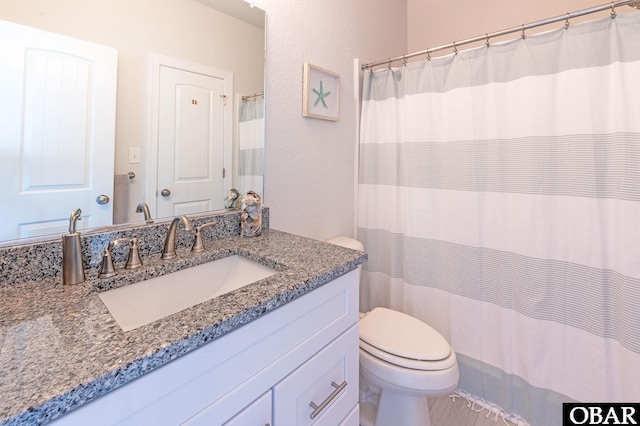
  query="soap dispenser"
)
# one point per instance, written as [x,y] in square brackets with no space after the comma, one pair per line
[72,264]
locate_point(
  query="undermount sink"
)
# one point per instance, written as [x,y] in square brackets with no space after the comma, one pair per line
[138,304]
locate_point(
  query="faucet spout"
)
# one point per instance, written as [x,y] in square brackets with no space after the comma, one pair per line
[144,208]
[72,262]
[169,251]
[75,216]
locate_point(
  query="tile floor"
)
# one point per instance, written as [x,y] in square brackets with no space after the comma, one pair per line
[445,411]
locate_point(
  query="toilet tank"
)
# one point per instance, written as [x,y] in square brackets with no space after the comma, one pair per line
[347,242]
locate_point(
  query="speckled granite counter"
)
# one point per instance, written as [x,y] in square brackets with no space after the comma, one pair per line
[60,347]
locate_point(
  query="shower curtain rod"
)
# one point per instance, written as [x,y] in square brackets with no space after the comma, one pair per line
[521,28]
[249,97]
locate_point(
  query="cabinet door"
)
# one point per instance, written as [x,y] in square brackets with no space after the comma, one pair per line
[324,390]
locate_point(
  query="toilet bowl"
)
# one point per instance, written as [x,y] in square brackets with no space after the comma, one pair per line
[403,361]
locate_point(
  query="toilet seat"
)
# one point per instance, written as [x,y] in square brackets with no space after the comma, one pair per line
[404,341]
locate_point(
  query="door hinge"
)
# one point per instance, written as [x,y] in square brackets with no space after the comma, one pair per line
[224,100]
[224,172]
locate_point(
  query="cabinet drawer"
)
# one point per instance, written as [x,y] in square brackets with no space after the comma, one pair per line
[256,413]
[328,381]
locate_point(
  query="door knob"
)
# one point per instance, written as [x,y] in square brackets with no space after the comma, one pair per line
[165,192]
[102,199]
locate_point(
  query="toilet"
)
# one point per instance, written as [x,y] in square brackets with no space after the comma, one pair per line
[403,361]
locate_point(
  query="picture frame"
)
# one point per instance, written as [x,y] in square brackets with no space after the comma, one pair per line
[320,93]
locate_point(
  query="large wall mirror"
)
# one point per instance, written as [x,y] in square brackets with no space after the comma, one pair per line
[201,58]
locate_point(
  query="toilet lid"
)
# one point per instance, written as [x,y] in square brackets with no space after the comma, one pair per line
[402,335]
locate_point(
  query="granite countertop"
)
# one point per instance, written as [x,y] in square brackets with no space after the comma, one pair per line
[60,347]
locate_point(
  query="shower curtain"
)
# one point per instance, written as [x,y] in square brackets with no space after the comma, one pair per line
[251,146]
[499,201]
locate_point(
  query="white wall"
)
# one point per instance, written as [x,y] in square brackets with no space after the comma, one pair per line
[309,169]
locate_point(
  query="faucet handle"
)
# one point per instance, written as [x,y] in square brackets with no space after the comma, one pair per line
[198,244]
[108,269]
[134,255]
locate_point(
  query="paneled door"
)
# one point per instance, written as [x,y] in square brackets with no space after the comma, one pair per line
[190,142]
[57,137]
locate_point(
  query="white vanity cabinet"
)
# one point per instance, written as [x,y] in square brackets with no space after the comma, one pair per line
[271,371]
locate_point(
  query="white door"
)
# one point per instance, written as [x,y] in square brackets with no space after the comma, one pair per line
[57,121]
[190,142]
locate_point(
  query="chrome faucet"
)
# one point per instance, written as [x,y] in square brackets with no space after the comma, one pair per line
[169,251]
[144,208]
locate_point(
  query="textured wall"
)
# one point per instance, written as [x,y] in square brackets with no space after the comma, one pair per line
[434,23]
[309,169]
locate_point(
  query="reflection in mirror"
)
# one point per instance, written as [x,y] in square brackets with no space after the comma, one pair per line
[226,36]
[251,143]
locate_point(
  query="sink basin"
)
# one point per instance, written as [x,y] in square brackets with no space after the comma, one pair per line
[138,304]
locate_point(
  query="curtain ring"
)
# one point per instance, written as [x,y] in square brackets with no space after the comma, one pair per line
[389,63]
[455,48]
[613,10]
[523,35]
[404,60]
[566,23]
[486,36]
[428,55]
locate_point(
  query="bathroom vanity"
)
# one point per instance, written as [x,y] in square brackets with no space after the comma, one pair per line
[279,351]
[266,372]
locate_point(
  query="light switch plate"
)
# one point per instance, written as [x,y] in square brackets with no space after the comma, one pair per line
[134,155]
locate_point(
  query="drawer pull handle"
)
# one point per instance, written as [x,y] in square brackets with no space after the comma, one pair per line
[317,409]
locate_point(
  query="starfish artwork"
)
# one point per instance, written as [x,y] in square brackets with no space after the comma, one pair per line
[321,95]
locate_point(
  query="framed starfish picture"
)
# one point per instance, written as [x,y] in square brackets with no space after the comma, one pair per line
[320,93]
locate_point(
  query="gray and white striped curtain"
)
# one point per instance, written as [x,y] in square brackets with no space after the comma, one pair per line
[251,146]
[499,201]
